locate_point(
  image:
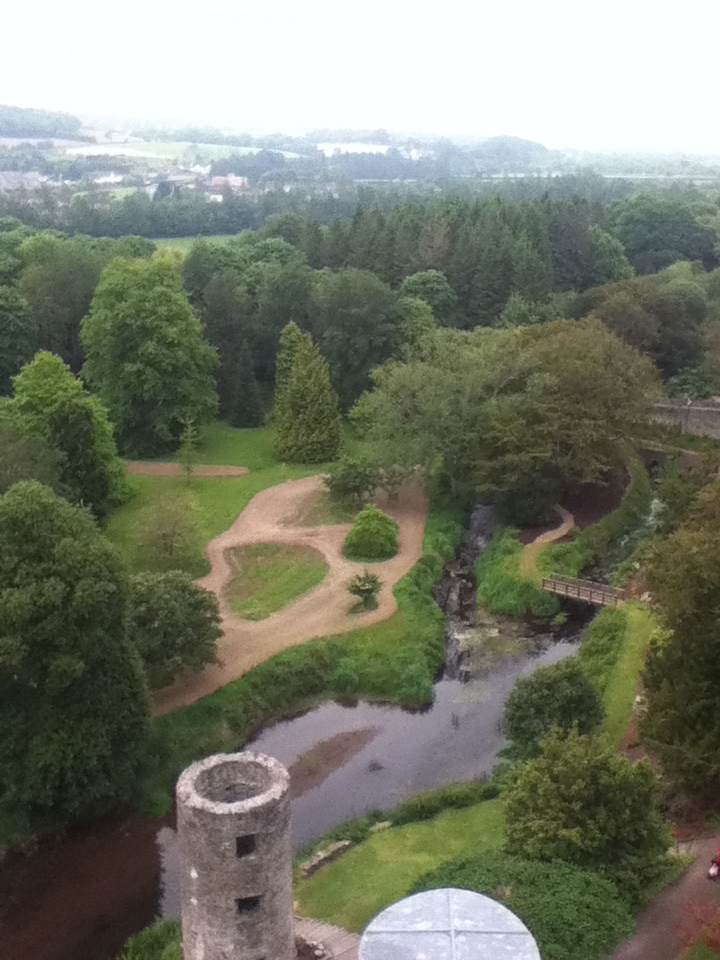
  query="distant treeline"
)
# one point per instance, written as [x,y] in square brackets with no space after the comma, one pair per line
[38,124]
[186,213]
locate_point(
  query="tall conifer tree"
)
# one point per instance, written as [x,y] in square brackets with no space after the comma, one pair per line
[307,419]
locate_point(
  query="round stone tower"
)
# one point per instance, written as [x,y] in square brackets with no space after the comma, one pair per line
[236,862]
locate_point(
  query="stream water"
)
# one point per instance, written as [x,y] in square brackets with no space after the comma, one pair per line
[80,897]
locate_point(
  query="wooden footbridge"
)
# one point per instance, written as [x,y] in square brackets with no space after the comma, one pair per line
[586,591]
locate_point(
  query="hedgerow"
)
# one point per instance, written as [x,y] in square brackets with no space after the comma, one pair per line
[571,913]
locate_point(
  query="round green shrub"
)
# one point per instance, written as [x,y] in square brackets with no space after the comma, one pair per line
[555,695]
[571,913]
[373,536]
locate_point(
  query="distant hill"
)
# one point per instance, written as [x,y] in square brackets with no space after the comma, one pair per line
[511,153]
[38,124]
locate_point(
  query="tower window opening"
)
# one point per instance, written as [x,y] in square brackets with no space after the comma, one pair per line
[247,905]
[245,846]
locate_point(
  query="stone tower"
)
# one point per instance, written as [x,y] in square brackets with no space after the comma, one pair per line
[236,861]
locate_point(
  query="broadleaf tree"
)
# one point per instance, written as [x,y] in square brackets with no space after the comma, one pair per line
[145,355]
[73,702]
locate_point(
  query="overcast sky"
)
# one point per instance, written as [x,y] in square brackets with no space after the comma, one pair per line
[621,74]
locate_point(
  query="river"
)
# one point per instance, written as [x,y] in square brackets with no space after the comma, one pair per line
[81,896]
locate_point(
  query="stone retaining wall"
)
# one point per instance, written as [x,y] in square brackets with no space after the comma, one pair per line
[698,417]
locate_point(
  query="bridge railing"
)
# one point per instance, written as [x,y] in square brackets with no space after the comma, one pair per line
[585,590]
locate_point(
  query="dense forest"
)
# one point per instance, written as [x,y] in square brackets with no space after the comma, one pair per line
[366,285]
[37,124]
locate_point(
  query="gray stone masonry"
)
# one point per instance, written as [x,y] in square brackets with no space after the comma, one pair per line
[698,417]
[236,861]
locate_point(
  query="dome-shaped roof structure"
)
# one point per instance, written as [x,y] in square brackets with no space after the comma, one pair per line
[447,924]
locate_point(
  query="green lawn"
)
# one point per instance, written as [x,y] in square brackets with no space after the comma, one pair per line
[267,576]
[183,244]
[619,694]
[381,870]
[205,505]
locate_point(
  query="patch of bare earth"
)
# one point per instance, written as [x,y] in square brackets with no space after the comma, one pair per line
[270,517]
[152,468]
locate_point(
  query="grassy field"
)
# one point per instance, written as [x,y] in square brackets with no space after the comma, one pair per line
[267,576]
[622,683]
[183,244]
[351,890]
[612,656]
[200,508]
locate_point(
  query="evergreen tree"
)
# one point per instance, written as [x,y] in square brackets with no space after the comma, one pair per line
[246,409]
[682,675]
[531,274]
[308,425]
[290,340]
[18,336]
[227,320]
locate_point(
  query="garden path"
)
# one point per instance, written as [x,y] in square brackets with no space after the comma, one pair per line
[677,915]
[155,468]
[272,517]
[531,551]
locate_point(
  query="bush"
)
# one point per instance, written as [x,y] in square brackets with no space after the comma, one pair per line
[501,588]
[571,913]
[373,536]
[352,480]
[345,679]
[416,682]
[454,796]
[601,646]
[580,803]
[161,941]
[366,586]
[556,695]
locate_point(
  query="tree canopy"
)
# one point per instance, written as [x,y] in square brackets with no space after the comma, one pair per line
[73,703]
[173,624]
[581,803]
[18,336]
[682,677]
[558,695]
[50,403]
[306,416]
[146,357]
[512,415]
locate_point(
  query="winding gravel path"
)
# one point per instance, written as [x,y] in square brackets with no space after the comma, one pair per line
[531,551]
[271,517]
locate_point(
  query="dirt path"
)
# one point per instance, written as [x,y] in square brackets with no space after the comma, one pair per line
[323,611]
[531,551]
[152,468]
[678,914]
